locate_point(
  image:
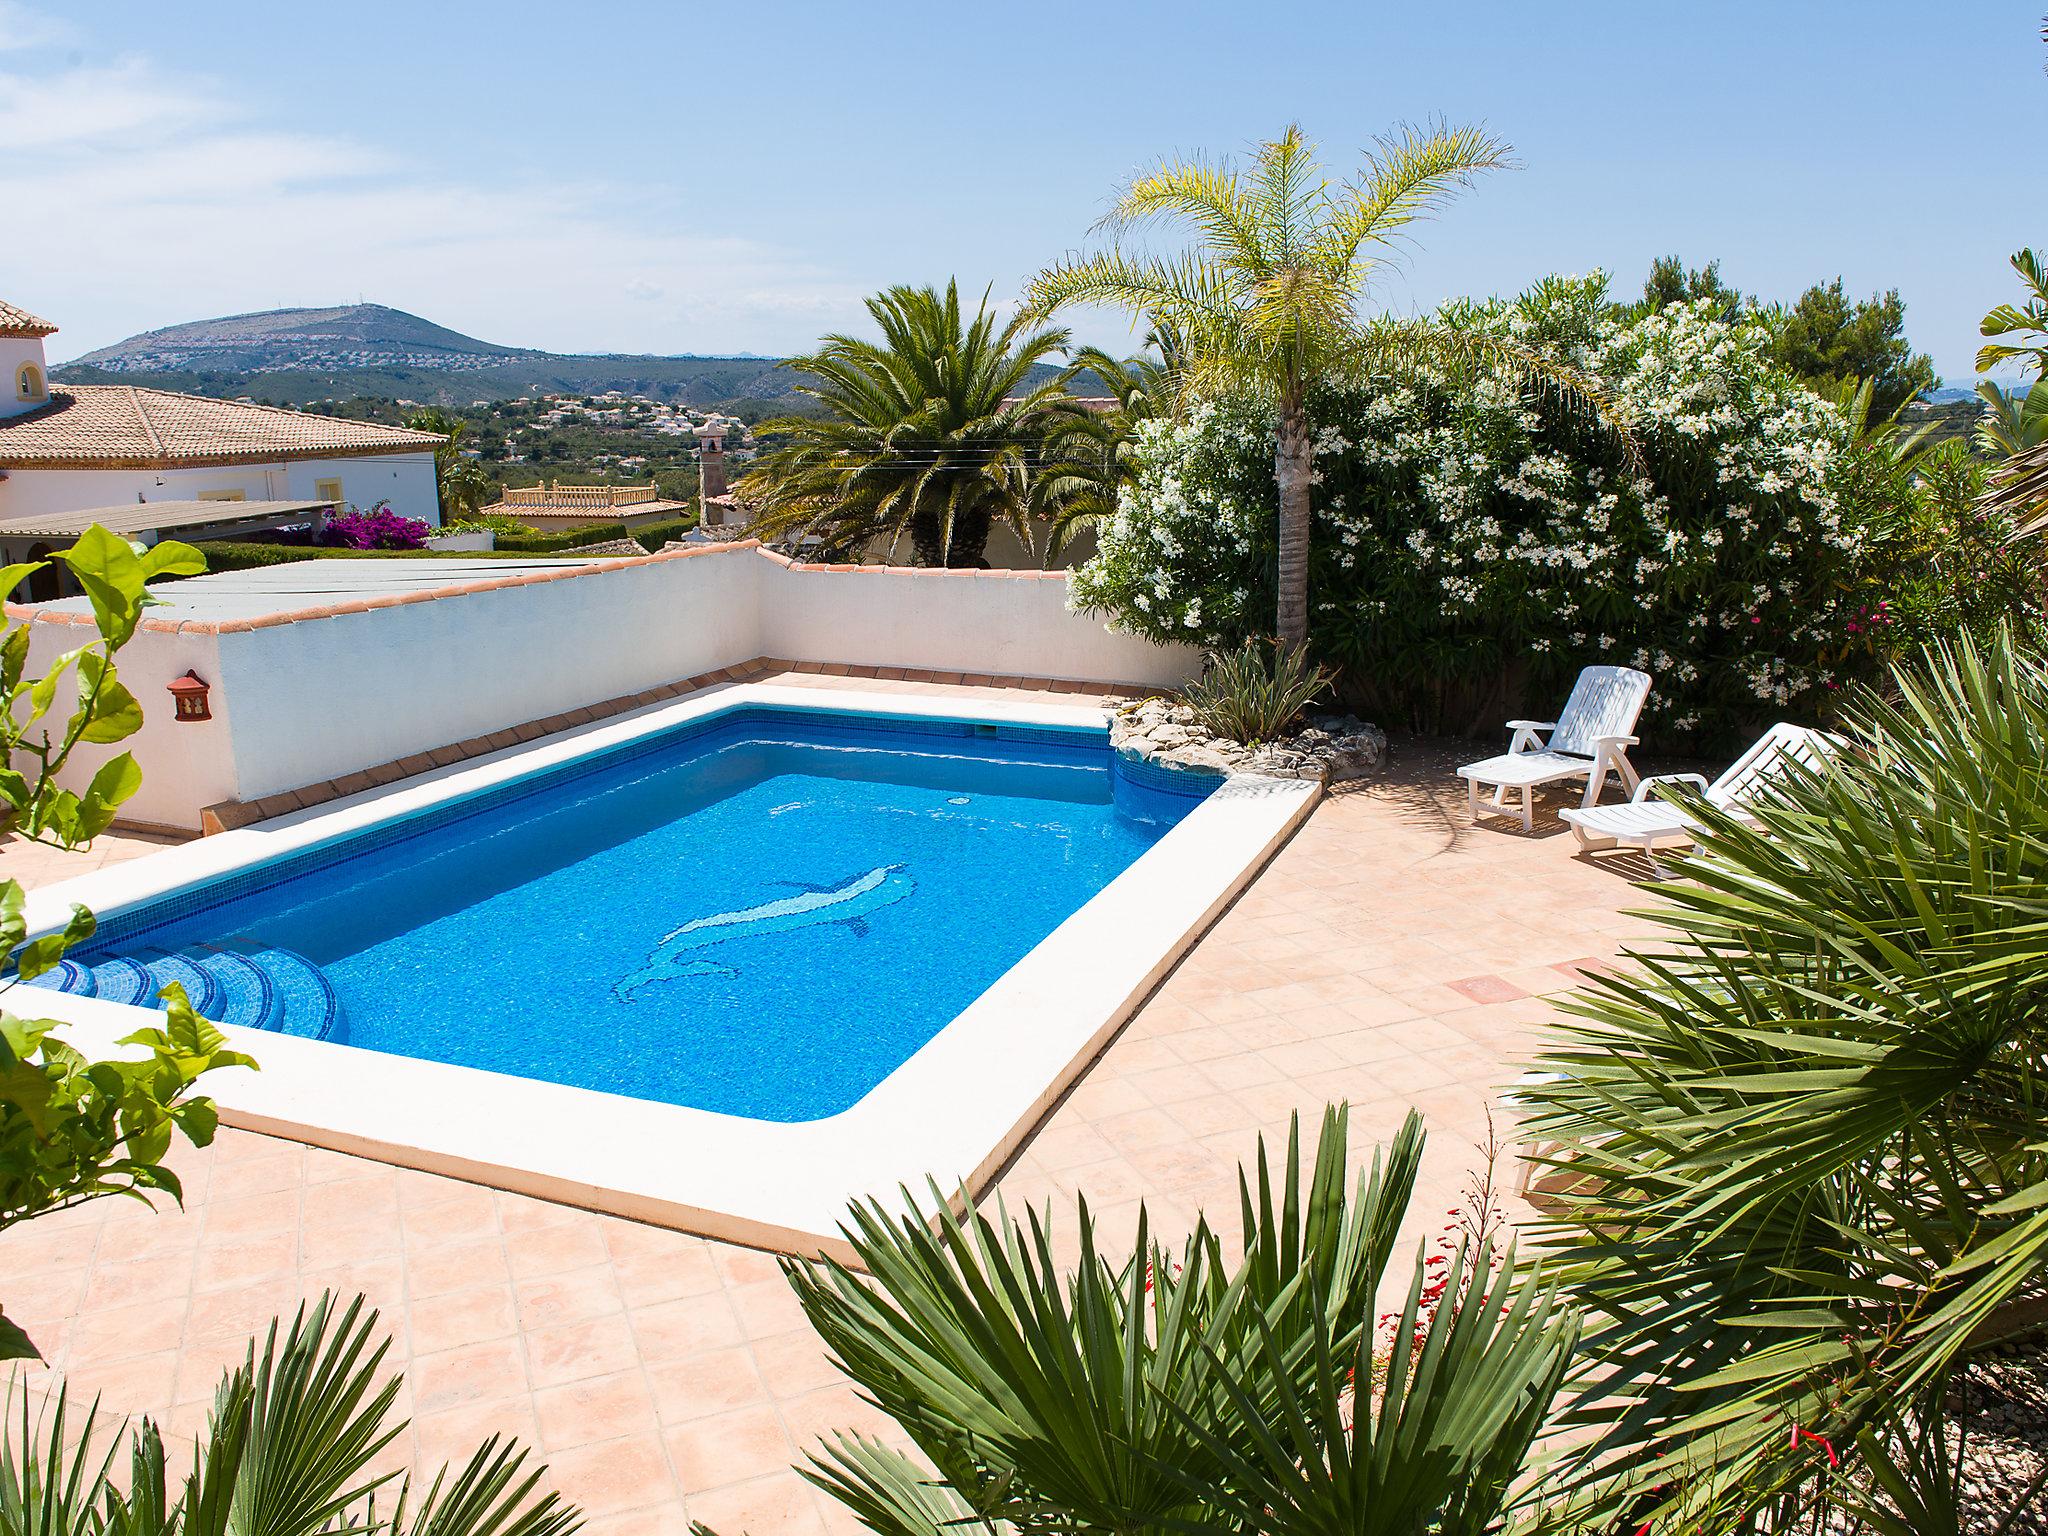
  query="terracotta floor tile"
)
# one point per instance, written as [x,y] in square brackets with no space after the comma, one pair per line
[783,1503]
[578,1351]
[473,1373]
[1389,955]
[602,1408]
[728,1448]
[715,1381]
[462,1317]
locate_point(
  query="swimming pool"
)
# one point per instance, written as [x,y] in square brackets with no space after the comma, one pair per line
[760,914]
[600,820]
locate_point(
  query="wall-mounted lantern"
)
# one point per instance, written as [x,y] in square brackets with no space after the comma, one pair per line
[189,695]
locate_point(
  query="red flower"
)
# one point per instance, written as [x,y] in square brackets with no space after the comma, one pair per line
[1799,1434]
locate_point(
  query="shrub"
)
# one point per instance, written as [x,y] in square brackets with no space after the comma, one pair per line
[72,1129]
[1254,693]
[298,1440]
[1801,1145]
[1145,1389]
[379,528]
[1475,544]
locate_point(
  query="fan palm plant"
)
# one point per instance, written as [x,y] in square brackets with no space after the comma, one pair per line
[1266,298]
[288,1450]
[1137,1394]
[933,435]
[1803,1146]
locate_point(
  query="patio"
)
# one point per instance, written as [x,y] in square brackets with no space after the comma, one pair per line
[1390,955]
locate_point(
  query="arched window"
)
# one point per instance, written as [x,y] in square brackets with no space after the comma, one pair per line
[28,383]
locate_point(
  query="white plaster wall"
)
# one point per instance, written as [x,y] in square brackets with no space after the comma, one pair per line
[14,351]
[406,480]
[323,698]
[317,699]
[954,621]
[184,766]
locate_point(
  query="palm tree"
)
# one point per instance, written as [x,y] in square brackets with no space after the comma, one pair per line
[935,433]
[1151,1390]
[289,1449]
[1267,297]
[1088,459]
[464,484]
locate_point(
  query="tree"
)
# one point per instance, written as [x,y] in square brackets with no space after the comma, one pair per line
[1827,337]
[290,1448]
[72,1129]
[1267,297]
[465,485]
[1670,282]
[1826,340]
[2015,423]
[1088,460]
[934,434]
[2022,329]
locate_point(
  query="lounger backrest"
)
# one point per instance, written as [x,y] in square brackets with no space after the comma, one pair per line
[1780,745]
[1605,701]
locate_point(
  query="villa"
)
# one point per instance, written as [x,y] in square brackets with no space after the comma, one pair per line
[73,455]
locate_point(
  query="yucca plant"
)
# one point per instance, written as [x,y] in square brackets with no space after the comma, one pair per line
[1803,1142]
[1256,692]
[1142,1392]
[288,1450]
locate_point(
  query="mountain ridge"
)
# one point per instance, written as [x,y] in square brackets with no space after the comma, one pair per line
[345,351]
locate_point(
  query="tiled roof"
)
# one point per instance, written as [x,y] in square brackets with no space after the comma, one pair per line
[119,426]
[19,322]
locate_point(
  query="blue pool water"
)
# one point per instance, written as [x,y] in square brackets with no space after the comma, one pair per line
[764,914]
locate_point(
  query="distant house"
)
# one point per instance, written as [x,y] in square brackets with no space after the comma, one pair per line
[72,449]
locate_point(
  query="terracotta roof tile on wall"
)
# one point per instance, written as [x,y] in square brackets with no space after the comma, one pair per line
[19,322]
[119,426]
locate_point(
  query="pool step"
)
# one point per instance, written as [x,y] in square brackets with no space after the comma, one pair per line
[304,1000]
[246,983]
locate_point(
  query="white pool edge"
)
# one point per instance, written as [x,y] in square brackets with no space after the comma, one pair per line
[955,1112]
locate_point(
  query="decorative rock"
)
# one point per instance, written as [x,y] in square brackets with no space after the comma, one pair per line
[1329,748]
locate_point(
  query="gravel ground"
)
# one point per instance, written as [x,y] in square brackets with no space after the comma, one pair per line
[2004,1406]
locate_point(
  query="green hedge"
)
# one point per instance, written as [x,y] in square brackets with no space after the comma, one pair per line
[650,537]
[245,555]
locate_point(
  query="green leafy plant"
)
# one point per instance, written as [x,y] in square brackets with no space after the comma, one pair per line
[289,1449]
[1265,302]
[1801,1177]
[1256,692]
[933,436]
[2020,330]
[71,1129]
[1149,1391]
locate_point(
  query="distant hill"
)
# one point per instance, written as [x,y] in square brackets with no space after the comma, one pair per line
[302,355]
[358,351]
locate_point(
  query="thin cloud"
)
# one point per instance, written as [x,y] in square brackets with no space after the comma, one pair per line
[160,201]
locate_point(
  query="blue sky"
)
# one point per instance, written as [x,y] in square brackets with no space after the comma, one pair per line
[669,178]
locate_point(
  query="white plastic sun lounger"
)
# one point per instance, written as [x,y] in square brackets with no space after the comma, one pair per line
[1588,740]
[1651,819]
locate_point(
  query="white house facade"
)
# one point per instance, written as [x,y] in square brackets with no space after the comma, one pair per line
[68,447]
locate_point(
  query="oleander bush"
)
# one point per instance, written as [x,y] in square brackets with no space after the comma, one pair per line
[1477,541]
